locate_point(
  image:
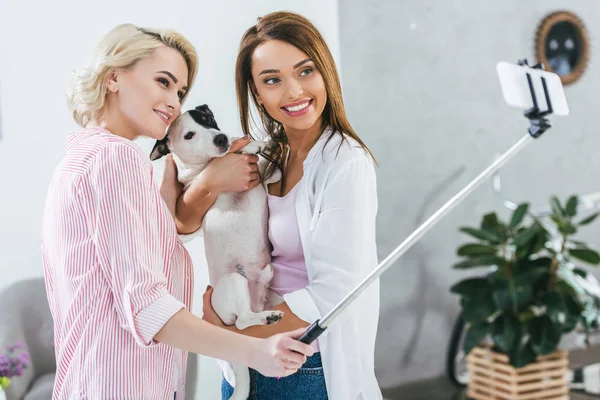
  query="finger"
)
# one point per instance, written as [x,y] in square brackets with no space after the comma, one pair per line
[252,159]
[239,144]
[297,346]
[293,359]
[289,371]
[294,363]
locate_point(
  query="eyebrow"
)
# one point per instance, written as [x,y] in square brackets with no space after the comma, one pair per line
[273,71]
[170,75]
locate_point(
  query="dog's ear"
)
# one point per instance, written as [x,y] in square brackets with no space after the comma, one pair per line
[204,116]
[160,149]
[204,109]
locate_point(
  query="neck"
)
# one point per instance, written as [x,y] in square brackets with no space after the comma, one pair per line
[114,124]
[301,141]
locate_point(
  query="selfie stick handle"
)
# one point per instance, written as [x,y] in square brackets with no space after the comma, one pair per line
[538,125]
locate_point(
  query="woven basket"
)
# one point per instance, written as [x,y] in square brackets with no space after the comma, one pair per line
[491,377]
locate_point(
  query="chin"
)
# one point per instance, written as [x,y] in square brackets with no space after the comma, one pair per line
[302,125]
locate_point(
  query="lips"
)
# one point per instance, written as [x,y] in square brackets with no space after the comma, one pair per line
[297,109]
[164,116]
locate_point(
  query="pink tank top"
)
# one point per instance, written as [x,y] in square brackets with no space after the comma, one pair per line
[287,259]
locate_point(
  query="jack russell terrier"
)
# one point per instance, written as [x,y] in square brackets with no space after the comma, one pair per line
[235,229]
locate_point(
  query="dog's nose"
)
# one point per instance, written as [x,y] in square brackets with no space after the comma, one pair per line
[220,140]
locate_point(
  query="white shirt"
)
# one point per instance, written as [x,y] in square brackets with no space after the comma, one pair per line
[336,207]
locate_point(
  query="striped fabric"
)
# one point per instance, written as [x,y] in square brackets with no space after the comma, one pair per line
[115,273]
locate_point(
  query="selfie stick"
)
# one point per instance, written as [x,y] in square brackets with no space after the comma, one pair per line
[538,124]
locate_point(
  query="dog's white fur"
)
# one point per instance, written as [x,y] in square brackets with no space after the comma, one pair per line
[235,231]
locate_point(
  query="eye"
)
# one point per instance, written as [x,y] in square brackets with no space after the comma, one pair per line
[164,81]
[272,81]
[180,95]
[189,135]
[306,71]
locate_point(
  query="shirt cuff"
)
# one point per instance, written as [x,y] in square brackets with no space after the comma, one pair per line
[153,317]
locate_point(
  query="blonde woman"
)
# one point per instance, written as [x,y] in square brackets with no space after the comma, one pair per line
[118,278]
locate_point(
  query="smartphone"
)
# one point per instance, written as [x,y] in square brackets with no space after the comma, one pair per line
[516,92]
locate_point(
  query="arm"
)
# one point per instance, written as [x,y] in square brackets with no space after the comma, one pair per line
[289,322]
[230,173]
[193,204]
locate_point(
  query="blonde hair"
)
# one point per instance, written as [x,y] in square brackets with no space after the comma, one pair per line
[121,48]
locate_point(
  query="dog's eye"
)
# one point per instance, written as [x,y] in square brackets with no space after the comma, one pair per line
[189,135]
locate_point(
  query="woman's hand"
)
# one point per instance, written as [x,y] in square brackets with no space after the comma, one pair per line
[280,355]
[170,188]
[208,313]
[232,172]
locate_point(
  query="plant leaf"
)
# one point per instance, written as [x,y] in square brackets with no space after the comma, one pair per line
[475,334]
[580,272]
[478,308]
[522,354]
[556,207]
[491,224]
[518,215]
[505,296]
[545,335]
[526,235]
[481,261]
[587,255]
[472,287]
[589,219]
[571,208]
[472,249]
[505,332]
[482,235]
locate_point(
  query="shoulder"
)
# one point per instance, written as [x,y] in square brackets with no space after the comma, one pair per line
[336,151]
[102,157]
[116,152]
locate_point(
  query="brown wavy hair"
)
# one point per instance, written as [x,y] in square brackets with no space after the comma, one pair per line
[298,31]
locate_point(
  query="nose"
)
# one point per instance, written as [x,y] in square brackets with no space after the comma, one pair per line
[294,88]
[174,105]
[220,140]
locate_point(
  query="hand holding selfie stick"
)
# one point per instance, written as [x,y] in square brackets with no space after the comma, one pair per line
[538,125]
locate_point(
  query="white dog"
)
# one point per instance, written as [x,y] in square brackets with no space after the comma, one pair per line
[235,229]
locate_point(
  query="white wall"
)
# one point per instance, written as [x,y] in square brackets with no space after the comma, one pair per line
[42,42]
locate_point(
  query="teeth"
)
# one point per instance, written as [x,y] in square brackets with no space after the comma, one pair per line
[165,116]
[298,107]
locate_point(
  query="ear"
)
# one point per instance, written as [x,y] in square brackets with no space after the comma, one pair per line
[160,149]
[112,83]
[255,92]
[204,108]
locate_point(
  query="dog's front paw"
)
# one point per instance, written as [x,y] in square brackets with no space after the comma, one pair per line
[274,317]
[254,147]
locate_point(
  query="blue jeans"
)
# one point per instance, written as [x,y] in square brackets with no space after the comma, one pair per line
[307,383]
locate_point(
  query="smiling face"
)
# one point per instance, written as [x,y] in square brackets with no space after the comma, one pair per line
[288,85]
[147,97]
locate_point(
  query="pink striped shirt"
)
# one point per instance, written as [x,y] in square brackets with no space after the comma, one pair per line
[115,273]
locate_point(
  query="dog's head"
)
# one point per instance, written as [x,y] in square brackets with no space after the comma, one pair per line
[193,136]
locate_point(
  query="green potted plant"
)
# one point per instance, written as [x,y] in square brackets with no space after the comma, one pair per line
[535,293]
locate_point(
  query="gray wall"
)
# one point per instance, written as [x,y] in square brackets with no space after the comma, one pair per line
[421,88]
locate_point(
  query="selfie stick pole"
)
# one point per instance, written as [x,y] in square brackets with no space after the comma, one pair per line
[538,125]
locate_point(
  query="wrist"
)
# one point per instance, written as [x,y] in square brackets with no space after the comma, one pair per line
[207,185]
[250,346]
